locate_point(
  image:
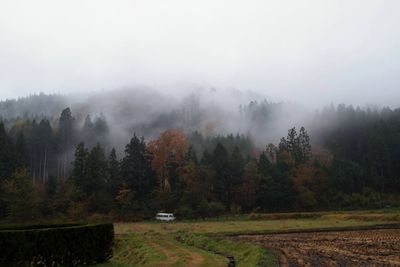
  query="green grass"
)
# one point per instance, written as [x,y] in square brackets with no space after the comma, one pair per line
[180,243]
[133,250]
[246,254]
[155,249]
[238,227]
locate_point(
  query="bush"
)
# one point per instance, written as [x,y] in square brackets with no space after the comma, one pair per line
[185,212]
[215,209]
[20,197]
[55,245]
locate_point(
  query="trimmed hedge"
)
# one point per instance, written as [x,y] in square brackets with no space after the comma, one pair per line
[56,245]
[37,226]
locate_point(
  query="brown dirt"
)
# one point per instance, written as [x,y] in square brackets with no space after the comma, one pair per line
[339,248]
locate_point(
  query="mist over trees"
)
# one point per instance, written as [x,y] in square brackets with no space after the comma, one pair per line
[148,112]
[192,157]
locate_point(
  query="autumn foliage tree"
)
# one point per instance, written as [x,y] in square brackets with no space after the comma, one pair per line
[168,153]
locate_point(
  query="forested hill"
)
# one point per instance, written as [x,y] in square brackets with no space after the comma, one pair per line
[148,112]
[197,158]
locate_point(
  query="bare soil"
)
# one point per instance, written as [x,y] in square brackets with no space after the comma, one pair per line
[339,248]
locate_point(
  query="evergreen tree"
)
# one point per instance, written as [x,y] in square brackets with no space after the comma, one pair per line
[292,140]
[65,140]
[7,154]
[101,129]
[305,147]
[206,158]
[191,155]
[264,165]
[298,146]
[283,145]
[271,151]
[66,129]
[346,176]
[247,191]
[135,168]
[79,171]
[88,131]
[101,126]
[95,182]
[21,159]
[281,193]
[114,180]
[44,149]
[48,196]
[236,169]
[220,163]
[96,167]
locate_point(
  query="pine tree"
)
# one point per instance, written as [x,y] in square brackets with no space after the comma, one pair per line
[44,149]
[305,147]
[298,146]
[247,191]
[292,141]
[95,183]
[283,145]
[191,155]
[264,165]
[271,151]
[114,180]
[206,158]
[21,159]
[88,131]
[236,170]
[135,168]
[7,154]
[66,129]
[101,129]
[65,140]
[220,163]
[96,167]
[79,171]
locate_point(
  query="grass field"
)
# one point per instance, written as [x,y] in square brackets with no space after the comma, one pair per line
[202,243]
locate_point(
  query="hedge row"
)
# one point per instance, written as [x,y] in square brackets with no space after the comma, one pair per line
[56,246]
[25,226]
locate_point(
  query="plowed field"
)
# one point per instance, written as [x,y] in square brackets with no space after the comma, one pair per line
[339,248]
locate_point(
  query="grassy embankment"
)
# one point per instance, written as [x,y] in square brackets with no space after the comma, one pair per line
[201,243]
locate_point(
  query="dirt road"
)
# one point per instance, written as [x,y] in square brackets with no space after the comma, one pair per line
[341,248]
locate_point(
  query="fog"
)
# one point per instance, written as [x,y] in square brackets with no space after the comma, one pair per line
[210,111]
[308,52]
[148,112]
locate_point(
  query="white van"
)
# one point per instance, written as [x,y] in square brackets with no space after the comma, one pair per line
[165,216]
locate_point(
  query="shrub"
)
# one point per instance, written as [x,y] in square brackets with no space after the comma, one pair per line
[55,245]
[185,212]
[215,209]
[20,197]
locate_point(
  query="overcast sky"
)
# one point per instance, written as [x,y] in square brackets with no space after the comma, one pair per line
[306,51]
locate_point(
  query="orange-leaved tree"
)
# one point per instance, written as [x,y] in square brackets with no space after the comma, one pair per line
[170,149]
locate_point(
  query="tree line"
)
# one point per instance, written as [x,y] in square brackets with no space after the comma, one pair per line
[194,175]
